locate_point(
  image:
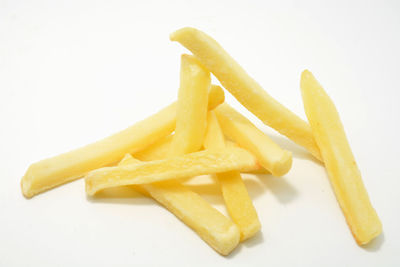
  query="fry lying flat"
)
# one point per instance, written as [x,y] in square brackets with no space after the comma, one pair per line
[245,89]
[339,161]
[51,172]
[194,164]
[212,226]
[236,197]
[238,128]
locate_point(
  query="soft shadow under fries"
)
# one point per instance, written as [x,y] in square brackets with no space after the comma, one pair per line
[211,191]
[121,195]
[297,151]
[280,188]
[255,240]
[375,245]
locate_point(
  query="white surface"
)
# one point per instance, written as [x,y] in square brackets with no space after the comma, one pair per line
[72,73]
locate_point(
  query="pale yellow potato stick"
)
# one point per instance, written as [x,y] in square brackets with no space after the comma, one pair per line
[51,172]
[189,165]
[158,150]
[214,138]
[245,89]
[161,148]
[234,192]
[239,129]
[261,170]
[212,226]
[339,161]
[216,96]
[191,114]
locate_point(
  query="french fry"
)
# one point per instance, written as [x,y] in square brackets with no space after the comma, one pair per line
[212,226]
[192,106]
[216,97]
[239,129]
[156,151]
[160,150]
[245,89]
[339,161]
[51,172]
[189,165]
[236,197]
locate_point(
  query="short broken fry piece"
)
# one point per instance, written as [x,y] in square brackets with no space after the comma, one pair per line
[245,89]
[339,161]
[191,106]
[212,226]
[234,192]
[239,129]
[51,172]
[189,165]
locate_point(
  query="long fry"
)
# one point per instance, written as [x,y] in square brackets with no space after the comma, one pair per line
[191,107]
[51,172]
[236,197]
[245,89]
[212,226]
[161,150]
[339,161]
[243,132]
[189,165]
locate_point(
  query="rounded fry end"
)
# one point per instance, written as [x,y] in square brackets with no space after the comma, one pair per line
[282,166]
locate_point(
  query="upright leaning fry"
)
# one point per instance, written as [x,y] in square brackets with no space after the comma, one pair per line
[339,161]
[245,89]
[191,107]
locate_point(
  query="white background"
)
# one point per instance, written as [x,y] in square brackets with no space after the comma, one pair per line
[72,72]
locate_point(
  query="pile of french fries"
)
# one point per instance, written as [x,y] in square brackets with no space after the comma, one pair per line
[200,134]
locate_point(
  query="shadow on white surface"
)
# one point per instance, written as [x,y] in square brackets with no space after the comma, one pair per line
[121,195]
[212,191]
[297,151]
[281,189]
[376,244]
[255,240]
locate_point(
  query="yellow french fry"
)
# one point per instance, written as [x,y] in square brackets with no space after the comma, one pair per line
[156,151]
[236,197]
[245,89]
[212,226]
[192,106]
[216,96]
[161,148]
[51,172]
[189,165]
[239,129]
[339,161]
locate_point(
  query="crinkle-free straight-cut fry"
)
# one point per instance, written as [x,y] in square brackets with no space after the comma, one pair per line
[189,165]
[245,89]
[191,114]
[234,192]
[212,226]
[238,128]
[339,161]
[51,172]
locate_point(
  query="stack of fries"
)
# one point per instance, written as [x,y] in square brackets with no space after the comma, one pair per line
[188,139]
